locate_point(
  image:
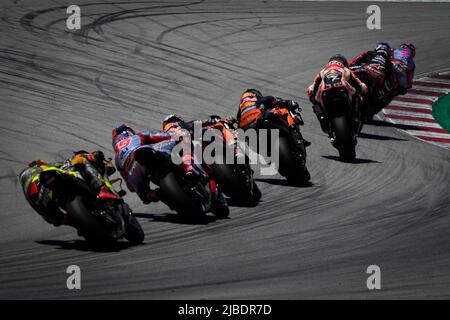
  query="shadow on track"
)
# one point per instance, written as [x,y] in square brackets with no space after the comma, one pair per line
[243,204]
[83,245]
[356,161]
[380,123]
[378,137]
[177,219]
[284,182]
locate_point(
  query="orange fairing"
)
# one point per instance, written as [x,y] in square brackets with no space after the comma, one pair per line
[227,134]
[284,113]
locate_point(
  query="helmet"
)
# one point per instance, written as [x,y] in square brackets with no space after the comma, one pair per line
[80,152]
[250,94]
[384,49]
[171,121]
[121,132]
[341,58]
[96,156]
[37,163]
[254,91]
[215,118]
[410,46]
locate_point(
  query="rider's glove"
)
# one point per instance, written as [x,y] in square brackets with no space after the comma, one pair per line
[293,104]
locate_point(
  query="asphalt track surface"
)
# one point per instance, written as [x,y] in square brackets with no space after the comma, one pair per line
[137,61]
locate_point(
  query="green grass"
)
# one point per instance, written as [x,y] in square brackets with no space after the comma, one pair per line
[441,111]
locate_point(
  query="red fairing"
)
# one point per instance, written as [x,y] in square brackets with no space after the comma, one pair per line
[150,138]
[362,54]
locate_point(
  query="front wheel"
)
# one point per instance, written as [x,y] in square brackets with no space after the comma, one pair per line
[344,139]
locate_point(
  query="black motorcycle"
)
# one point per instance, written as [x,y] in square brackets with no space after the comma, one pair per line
[236,177]
[98,220]
[191,198]
[343,129]
[380,92]
[290,144]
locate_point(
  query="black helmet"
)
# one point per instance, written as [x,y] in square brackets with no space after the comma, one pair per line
[384,49]
[341,58]
[171,118]
[96,156]
[215,118]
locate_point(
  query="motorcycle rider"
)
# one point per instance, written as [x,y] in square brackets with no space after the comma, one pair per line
[335,74]
[91,166]
[253,104]
[378,62]
[125,141]
[380,57]
[404,66]
[173,122]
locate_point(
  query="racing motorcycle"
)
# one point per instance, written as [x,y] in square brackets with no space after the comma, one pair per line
[343,129]
[236,178]
[290,143]
[381,89]
[97,220]
[191,198]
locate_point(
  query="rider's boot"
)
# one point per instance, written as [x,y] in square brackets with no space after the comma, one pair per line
[324,123]
[298,137]
[151,196]
[220,206]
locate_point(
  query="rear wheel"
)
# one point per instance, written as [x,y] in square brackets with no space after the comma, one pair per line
[232,184]
[87,225]
[133,229]
[220,208]
[344,138]
[256,192]
[179,199]
[292,165]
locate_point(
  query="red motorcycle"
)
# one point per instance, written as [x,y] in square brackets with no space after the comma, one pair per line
[339,113]
[381,89]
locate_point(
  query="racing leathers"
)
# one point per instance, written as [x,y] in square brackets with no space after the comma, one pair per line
[39,197]
[91,166]
[335,75]
[253,106]
[134,174]
[379,63]
[403,66]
